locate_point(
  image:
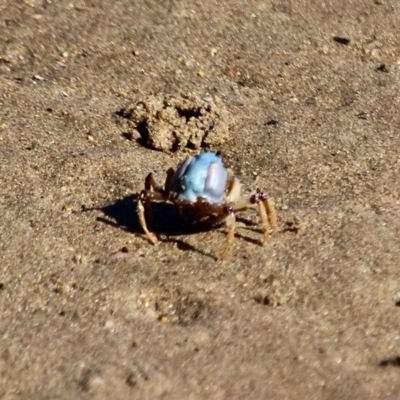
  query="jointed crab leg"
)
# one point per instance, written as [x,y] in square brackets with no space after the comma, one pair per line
[234,188]
[169,181]
[227,211]
[149,185]
[264,222]
[147,197]
[142,221]
[223,212]
[230,224]
[270,208]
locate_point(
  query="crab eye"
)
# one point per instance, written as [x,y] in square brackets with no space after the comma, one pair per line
[216,179]
[182,168]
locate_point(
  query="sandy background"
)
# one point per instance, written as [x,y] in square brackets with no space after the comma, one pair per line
[314,315]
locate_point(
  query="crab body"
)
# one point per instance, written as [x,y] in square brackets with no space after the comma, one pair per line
[201,183]
[201,176]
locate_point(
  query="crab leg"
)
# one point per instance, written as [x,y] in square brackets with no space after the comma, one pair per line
[266,210]
[169,180]
[264,222]
[270,208]
[222,211]
[233,194]
[149,185]
[146,197]
[230,224]
[142,220]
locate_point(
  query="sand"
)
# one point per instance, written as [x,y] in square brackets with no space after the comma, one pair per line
[90,310]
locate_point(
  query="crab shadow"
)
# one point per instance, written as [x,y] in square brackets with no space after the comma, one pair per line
[167,222]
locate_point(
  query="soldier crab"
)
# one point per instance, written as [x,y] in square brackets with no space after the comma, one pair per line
[201,183]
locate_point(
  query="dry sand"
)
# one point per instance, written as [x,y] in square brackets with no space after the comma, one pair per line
[90,310]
